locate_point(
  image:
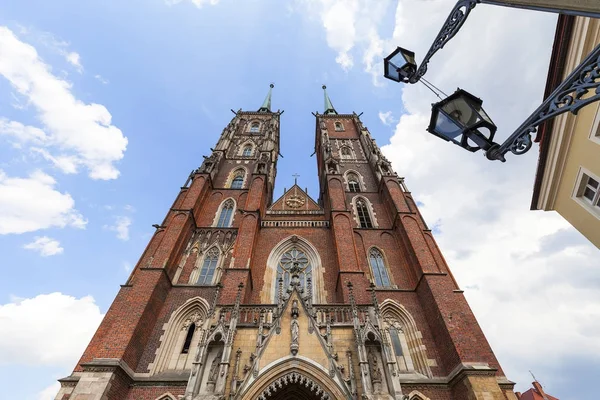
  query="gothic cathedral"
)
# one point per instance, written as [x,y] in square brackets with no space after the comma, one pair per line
[238,296]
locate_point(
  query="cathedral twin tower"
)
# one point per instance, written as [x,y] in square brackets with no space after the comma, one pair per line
[238,296]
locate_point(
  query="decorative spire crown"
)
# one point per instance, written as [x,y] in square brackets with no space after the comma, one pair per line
[328,106]
[266,106]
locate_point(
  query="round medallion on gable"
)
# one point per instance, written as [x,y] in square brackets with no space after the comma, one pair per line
[295,201]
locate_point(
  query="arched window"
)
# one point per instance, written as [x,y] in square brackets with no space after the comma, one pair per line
[378,267]
[292,257]
[188,339]
[339,126]
[224,220]
[396,342]
[254,127]
[207,272]
[247,152]
[346,152]
[353,184]
[238,179]
[362,211]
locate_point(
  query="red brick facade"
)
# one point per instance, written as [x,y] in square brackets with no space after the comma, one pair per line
[130,343]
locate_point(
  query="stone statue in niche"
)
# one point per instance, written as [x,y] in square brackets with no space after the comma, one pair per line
[375,371]
[213,373]
[294,328]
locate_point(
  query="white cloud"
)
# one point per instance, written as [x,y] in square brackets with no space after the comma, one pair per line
[511,261]
[67,164]
[386,118]
[127,266]
[121,227]
[47,330]
[197,3]
[30,204]
[351,26]
[50,392]
[75,60]
[80,132]
[22,133]
[45,246]
[102,80]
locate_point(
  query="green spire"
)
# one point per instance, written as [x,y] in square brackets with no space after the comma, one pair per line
[328,106]
[266,107]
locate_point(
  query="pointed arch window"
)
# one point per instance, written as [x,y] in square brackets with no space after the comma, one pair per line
[339,126]
[209,265]
[362,211]
[247,152]
[396,344]
[238,180]
[346,152]
[224,220]
[353,184]
[294,256]
[255,127]
[378,268]
[188,339]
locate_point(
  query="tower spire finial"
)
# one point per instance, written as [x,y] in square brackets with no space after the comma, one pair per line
[328,106]
[266,106]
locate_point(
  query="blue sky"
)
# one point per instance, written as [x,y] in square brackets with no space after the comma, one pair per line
[151,84]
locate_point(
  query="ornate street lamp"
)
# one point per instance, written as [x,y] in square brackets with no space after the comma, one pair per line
[400,65]
[461,119]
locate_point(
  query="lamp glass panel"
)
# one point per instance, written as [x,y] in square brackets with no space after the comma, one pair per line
[392,72]
[410,58]
[461,111]
[446,127]
[398,60]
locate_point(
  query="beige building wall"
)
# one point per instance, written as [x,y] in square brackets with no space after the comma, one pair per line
[574,150]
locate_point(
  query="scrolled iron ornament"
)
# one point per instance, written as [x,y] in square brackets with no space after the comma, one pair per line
[522,144]
[570,96]
[453,23]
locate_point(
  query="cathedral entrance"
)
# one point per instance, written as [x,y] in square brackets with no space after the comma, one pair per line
[293,392]
[294,386]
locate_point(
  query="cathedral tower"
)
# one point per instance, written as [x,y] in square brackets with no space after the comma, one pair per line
[240,296]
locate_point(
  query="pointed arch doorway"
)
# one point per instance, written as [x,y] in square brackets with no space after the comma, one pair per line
[294,386]
[294,378]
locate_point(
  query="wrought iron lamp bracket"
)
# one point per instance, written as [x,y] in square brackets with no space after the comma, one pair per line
[580,88]
[453,23]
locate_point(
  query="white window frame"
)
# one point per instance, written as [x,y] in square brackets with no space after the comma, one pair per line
[595,131]
[581,183]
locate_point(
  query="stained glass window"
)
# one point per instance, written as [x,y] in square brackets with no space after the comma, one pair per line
[346,152]
[247,151]
[364,218]
[287,261]
[396,341]
[225,216]
[238,180]
[378,267]
[353,183]
[209,265]
[188,339]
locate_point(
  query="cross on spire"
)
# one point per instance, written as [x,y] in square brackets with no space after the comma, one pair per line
[266,107]
[296,175]
[328,106]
